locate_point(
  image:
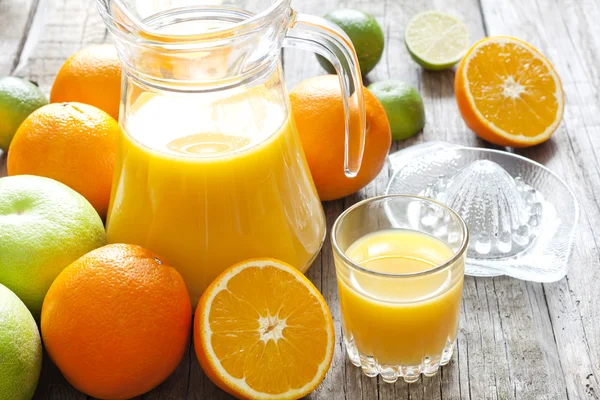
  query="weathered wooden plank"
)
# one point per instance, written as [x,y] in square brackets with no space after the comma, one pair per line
[20,13]
[13,35]
[53,385]
[199,386]
[3,164]
[70,25]
[176,386]
[568,33]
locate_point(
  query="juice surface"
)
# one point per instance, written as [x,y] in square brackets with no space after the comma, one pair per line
[400,321]
[206,182]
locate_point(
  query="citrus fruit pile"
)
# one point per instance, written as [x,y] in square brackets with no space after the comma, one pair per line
[117,319]
[74,139]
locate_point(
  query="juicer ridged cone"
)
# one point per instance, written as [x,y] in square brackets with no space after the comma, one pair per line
[501,212]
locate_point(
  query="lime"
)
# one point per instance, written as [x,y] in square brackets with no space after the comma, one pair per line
[20,348]
[436,40]
[44,227]
[18,99]
[403,106]
[364,32]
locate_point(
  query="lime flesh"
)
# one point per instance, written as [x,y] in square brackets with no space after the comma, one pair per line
[436,40]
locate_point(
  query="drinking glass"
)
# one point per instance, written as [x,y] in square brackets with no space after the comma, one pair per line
[398,322]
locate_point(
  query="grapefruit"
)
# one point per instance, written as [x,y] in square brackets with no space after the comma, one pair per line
[20,348]
[44,226]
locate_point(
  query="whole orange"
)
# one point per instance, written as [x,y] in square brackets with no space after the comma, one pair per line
[318,110]
[91,76]
[72,143]
[117,321]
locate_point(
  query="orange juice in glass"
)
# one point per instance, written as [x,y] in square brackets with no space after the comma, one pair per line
[400,266]
[210,170]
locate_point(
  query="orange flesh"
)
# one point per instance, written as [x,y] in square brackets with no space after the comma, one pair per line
[513,89]
[268,295]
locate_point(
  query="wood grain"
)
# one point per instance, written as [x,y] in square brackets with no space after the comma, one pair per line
[70,25]
[517,340]
[13,36]
[17,17]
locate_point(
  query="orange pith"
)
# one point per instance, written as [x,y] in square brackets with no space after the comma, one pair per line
[508,93]
[262,330]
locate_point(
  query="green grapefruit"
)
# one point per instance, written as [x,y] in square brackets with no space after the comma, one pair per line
[44,227]
[20,349]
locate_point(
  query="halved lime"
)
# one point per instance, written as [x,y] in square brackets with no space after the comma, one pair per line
[436,40]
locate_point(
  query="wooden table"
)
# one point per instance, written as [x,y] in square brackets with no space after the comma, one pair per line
[518,340]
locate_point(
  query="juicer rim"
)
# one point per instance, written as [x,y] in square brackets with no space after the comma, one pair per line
[451,147]
[509,154]
[457,255]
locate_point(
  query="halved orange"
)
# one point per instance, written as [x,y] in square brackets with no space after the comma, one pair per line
[508,93]
[263,331]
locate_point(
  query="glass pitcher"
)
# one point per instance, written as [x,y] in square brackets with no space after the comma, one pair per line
[210,169]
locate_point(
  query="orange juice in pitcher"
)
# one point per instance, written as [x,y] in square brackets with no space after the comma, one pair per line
[210,170]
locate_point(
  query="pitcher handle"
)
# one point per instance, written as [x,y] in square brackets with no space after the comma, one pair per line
[323,37]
